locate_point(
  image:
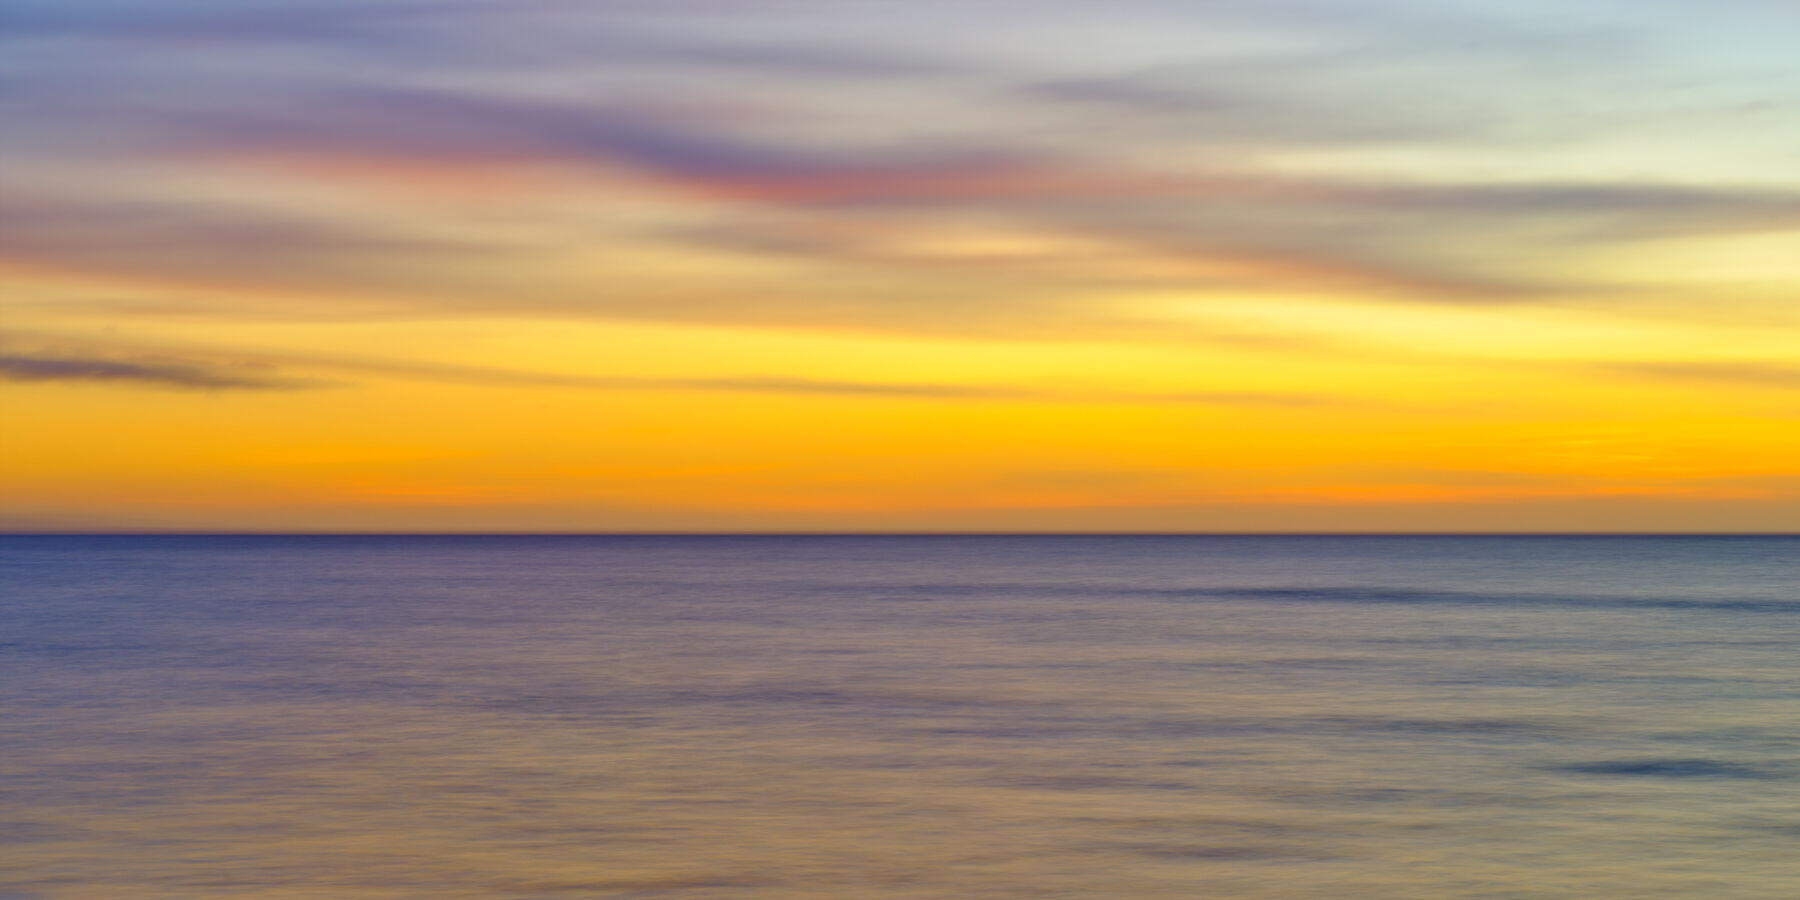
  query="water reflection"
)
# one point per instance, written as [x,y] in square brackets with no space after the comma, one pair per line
[714,719]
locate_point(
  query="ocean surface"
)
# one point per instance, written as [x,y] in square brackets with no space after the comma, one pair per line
[929,718]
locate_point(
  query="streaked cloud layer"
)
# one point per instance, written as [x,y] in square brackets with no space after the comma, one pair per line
[607,264]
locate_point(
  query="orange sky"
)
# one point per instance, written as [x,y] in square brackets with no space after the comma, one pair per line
[541,266]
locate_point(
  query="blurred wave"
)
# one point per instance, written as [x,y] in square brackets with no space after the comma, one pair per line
[899,717]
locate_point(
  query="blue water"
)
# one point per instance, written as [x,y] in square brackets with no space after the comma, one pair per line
[899,717]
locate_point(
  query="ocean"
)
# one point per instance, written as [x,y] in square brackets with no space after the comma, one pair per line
[917,717]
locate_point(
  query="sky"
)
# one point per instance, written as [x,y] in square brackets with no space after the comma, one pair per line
[868,265]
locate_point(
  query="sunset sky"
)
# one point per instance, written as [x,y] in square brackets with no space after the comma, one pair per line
[849,265]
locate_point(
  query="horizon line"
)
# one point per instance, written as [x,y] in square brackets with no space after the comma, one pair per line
[854,534]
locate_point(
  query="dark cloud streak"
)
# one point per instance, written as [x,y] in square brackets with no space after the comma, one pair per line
[55,359]
[151,373]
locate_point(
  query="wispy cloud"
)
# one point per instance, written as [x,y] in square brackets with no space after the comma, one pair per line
[142,372]
[1781,376]
[1193,165]
[130,364]
[1273,399]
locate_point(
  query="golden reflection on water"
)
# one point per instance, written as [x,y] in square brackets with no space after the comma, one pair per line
[425,805]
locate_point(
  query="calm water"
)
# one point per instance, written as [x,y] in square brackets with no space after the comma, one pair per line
[955,718]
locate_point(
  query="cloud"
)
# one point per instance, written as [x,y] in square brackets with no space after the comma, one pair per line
[1248,229]
[1432,476]
[1203,228]
[824,386]
[1217,114]
[150,373]
[518,31]
[792,385]
[87,19]
[1174,168]
[694,148]
[1752,374]
[249,370]
[805,386]
[896,243]
[57,358]
[1312,76]
[208,242]
[1274,399]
